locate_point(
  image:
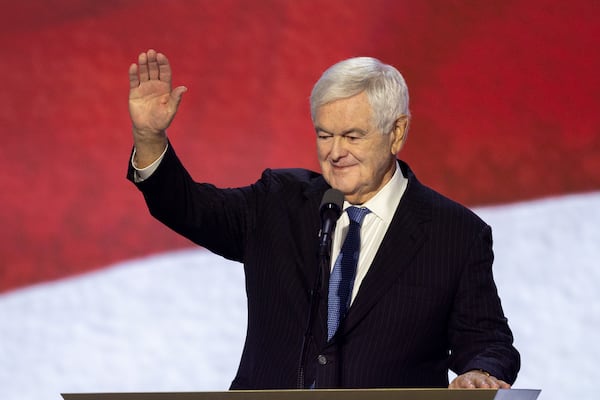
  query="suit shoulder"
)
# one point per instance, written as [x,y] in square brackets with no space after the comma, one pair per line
[452,209]
[287,178]
[440,207]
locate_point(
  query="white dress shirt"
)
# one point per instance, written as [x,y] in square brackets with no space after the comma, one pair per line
[383,206]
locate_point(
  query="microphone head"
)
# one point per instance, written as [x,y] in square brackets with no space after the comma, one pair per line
[333,202]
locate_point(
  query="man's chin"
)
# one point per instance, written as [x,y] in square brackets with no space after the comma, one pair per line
[341,183]
[336,184]
[348,193]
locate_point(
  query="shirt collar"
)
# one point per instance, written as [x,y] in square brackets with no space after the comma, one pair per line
[383,205]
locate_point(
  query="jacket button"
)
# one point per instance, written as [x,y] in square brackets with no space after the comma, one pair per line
[321,359]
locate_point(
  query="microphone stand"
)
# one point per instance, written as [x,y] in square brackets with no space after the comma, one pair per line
[330,210]
[324,259]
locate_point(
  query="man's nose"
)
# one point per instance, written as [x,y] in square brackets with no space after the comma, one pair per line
[338,148]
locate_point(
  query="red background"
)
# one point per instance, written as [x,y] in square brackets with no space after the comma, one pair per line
[504,98]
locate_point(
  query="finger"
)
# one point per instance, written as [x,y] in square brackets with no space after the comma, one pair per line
[485,384]
[177,94]
[488,383]
[462,385]
[164,68]
[461,382]
[143,67]
[503,385]
[152,65]
[134,80]
[466,382]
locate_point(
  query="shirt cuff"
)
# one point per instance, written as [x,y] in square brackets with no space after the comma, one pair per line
[141,174]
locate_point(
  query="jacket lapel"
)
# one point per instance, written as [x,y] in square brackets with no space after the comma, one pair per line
[402,241]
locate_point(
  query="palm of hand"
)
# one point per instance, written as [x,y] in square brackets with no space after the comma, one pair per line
[151,107]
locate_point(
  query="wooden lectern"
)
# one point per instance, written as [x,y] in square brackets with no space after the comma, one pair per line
[322,394]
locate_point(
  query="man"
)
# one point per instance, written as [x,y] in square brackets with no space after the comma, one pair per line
[423,299]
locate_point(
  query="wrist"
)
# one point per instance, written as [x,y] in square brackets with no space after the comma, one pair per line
[148,136]
[148,149]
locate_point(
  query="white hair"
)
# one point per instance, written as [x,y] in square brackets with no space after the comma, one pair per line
[385,87]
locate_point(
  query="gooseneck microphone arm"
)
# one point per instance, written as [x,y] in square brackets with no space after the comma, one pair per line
[330,210]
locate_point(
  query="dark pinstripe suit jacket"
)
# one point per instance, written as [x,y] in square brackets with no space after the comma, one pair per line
[428,302]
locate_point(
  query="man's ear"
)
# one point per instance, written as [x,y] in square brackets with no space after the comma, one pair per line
[399,134]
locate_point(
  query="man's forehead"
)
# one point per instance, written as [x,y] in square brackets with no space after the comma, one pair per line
[344,114]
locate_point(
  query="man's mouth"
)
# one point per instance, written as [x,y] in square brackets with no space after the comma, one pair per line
[341,166]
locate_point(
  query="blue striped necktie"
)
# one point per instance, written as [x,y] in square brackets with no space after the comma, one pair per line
[342,277]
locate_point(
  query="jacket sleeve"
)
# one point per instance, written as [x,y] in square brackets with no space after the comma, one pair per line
[217,219]
[479,335]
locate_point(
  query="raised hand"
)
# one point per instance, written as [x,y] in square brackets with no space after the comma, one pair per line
[152,104]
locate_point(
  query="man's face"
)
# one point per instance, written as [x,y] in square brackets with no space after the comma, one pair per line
[355,157]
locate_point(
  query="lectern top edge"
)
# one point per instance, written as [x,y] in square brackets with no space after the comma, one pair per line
[321,394]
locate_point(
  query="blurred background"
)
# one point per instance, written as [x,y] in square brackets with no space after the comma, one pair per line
[95,295]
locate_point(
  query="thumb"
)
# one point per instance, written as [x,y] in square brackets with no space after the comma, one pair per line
[177,94]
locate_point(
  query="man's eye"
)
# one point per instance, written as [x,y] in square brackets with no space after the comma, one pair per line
[323,137]
[352,138]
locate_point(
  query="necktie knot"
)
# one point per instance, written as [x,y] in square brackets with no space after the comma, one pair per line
[357,214]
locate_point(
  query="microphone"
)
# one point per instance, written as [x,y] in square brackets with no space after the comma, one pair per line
[330,210]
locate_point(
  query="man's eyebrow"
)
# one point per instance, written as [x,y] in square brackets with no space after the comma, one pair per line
[361,132]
